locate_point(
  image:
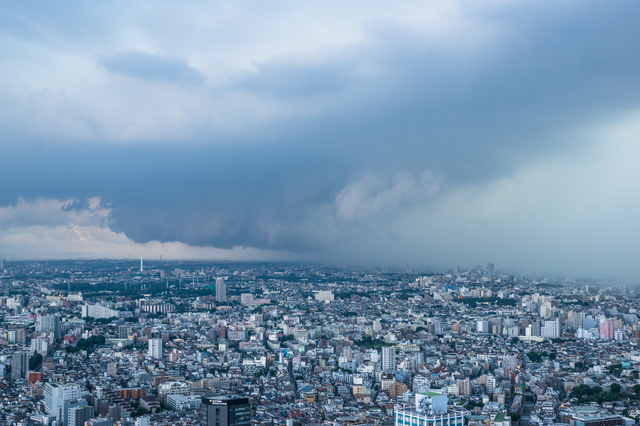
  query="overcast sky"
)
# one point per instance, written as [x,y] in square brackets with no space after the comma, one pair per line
[428,133]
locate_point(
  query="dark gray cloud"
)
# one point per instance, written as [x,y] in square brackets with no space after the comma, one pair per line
[156,67]
[338,171]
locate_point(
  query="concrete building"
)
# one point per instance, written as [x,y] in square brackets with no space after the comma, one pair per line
[155,348]
[227,411]
[49,323]
[179,402]
[55,396]
[324,295]
[79,415]
[19,365]
[112,369]
[221,290]
[388,358]
[430,410]
[551,329]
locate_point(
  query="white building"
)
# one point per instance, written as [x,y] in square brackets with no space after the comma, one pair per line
[388,358]
[453,389]
[143,421]
[98,311]
[172,388]
[551,329]
[482,326]
[155,348]
[421,384]
[55,396]
[490,384]
[430,410]
[179,402]
[324,295]
[40,345]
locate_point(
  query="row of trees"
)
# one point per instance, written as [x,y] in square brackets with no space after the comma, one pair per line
[586,393]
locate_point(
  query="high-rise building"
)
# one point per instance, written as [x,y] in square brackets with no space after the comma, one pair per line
[21,336]
[66,409]
[50,323]
[40,345]
[482,326]
[112,369]
[464,387]
[19,365]
[56,396]
[77,416]
[123,331]
[551,329]
[114,412]
[221,290]
[155,348]
[490,384]
[388,358]
[607,330]
[227,410]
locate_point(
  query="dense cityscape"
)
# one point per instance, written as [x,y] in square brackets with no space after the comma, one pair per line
[103,342]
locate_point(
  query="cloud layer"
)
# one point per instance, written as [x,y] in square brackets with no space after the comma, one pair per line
[425,133]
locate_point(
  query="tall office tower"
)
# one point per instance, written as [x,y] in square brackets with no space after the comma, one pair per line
[50,323]
[227,410]
[482,326]
[123,331]
[114,412]
[57,396]
[490,267]
[490,384]
[221,290]
[65,410]
[551,329]
[155,348]
[19,365]
[141,265]
[77,416]
[535,328]
[21,336]
[388,359]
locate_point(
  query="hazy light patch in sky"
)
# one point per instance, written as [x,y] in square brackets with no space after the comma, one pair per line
[59,229]
[566,214]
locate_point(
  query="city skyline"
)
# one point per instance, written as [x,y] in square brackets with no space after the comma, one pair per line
[237,343]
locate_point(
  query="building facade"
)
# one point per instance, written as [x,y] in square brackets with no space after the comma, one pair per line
[227,411]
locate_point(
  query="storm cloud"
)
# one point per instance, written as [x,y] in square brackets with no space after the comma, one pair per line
[431,134]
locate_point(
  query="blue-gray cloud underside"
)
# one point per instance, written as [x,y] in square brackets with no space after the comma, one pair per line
[158,67]
[468,116]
